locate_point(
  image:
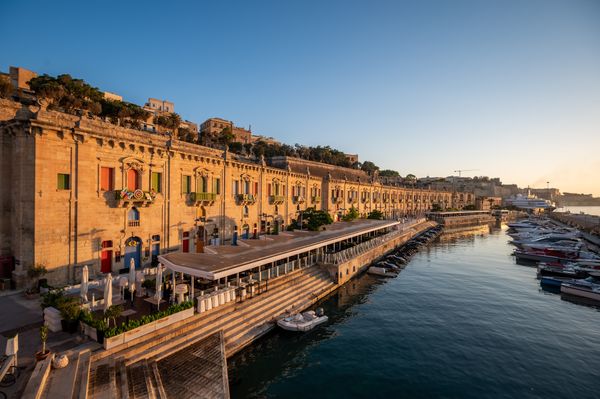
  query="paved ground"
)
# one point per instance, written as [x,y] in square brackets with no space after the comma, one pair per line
[24,316]
[17,313]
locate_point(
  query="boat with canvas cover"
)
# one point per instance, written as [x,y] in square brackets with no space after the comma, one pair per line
[303,321]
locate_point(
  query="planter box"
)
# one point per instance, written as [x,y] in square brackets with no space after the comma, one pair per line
[147,328]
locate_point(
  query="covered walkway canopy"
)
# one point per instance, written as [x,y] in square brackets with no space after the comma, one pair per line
[227,260]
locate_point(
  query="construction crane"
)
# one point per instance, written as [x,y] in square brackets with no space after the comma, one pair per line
[464,170]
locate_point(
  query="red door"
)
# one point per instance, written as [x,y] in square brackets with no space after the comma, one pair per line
[106,261]
[186,241]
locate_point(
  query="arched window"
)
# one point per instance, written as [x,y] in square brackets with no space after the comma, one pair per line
[133,217]
[133,180]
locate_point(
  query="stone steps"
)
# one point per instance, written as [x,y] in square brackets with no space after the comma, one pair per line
[239,340]
[227,322]
[274,285]
[170,334]
[252,318]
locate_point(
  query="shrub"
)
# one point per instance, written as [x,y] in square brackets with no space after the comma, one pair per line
[132,324]
[351,215]
[375,214]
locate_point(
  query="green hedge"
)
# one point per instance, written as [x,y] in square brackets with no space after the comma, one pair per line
[124,327]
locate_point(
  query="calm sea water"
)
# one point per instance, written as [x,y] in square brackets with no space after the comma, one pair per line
[590,210]
[461,321]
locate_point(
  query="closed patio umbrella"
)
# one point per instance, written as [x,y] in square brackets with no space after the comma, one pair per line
[158,295]
[108,292]
[132,277]
[84,283]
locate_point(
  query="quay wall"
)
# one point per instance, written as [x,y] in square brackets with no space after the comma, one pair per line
[343,272]
[471,220]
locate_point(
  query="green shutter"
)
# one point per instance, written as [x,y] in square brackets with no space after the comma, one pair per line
[156,182]
[186,183]
[63,181]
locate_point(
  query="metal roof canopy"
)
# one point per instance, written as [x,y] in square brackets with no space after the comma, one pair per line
[198,271]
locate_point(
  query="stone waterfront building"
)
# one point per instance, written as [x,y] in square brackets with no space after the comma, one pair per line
[80,191]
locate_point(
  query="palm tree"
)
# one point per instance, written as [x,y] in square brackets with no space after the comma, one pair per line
[174,120]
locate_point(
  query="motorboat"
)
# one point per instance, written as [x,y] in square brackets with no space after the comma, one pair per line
[551,281]
[550,239]
[303,321]
[582,288]
[558,270]
[388,265]
[382,271]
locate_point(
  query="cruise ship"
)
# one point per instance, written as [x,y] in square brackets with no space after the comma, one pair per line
[530,202]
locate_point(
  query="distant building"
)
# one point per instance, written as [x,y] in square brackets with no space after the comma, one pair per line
[487,203]
[211,128]
[352,158]
[20,77]
[156,105]
[265,139]
[112,96]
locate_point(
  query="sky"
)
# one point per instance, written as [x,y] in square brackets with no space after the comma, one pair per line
[507,89]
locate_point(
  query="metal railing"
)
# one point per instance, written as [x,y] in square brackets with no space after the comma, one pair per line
[359,249]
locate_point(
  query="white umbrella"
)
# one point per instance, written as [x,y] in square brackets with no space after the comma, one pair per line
[158,295]
[132,277]
[108,292]
[84,283]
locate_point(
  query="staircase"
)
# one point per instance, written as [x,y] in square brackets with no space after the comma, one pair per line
[138,370]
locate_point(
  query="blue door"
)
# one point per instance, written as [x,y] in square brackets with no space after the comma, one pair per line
[133,252]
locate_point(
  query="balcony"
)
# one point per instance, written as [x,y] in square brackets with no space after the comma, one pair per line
[352,200]
[375,200]
[125,197]
[244,199]
[337,200]
[298,199]
[366,200]
[276,199]
[198,198]
[316,200]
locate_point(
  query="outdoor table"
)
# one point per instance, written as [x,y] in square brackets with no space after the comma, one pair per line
[153,301]
[128,313]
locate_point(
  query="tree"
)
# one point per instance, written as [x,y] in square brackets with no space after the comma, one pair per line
[369,167]
[226,137]
[314,218]
[375,214]
[236,147]
[388,173]
[6,88]
[351,215]
[174,120]
[411,179]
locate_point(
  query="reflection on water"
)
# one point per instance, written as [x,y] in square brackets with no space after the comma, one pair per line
[461,321]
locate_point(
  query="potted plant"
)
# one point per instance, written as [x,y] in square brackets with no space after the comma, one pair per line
[41,355]
[34,273]
[112,313]
[69,311]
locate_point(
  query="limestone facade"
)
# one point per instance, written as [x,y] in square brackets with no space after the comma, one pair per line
[81,191]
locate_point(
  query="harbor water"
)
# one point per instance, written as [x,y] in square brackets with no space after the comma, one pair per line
[461,321]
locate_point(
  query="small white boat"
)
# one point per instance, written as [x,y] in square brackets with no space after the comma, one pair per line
[591,292]
[382,271]
[303,321]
